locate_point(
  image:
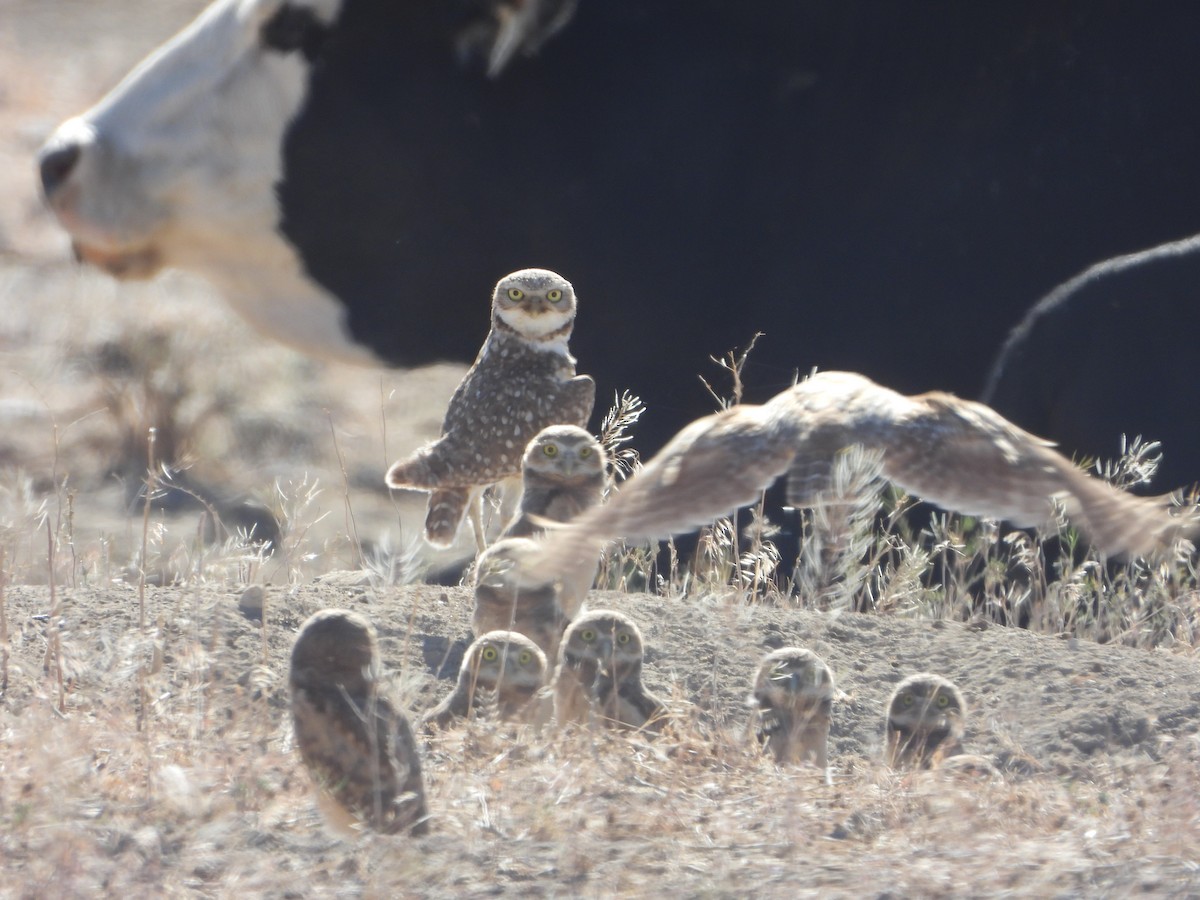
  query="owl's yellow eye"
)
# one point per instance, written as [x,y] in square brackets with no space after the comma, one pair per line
[587,635]
[524,657]
[906,700]
[515,294]
[623,637]
[489,653]
[943,701]
[550,450]
[585,452]
[554,296]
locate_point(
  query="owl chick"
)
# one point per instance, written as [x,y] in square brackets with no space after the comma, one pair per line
[794,694]
[522,381]
[564,471]
[926,719]
[956,453]
[501,669]
[502,604]
[599,679]
[357,746]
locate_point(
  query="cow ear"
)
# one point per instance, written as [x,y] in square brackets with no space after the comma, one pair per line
[294,28]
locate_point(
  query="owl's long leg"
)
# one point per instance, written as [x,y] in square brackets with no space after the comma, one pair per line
[475,511]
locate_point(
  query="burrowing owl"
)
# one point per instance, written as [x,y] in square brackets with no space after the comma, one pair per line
[564,472]
[357,746]
[956,453]
[501,670]
[599,678]
[523,380]
[502,604]
[794,694]
[926,719]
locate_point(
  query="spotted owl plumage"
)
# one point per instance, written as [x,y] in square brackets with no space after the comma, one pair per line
[357,746]
[522,381]
[599,676]
[501,672]
[926,720]
[564,471]
[793,692]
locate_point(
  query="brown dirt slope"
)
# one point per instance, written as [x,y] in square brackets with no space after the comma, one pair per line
[1098,744]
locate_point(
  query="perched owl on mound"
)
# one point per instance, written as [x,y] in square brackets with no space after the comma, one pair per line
[501,604]
[564,472]
[926,719]
[599,679]
[794,694]
[522,381]
[956,453]
[502,671]
[357,746]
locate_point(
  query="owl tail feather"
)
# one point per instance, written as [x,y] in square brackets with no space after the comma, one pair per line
[445,513]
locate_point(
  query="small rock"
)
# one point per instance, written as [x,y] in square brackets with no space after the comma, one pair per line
[252,602]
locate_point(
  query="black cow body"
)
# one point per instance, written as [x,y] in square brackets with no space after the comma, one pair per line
[877,186]
[1111,352]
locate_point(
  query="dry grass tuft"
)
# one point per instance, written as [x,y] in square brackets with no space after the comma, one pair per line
[213,799]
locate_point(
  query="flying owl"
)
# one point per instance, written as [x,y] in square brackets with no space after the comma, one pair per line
[564,472]
[502,604]
[599,678]
[794,692]
[956,453]
[357,746]
[502,670]
[522,381]
[926,719]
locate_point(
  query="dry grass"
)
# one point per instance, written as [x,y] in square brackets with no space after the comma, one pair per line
[172,771]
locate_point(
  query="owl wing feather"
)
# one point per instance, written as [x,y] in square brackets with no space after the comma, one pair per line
[714,466]
[958,454]
[381,784]
[577,400]
[964,456]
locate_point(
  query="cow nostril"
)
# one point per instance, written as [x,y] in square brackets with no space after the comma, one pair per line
[56,166]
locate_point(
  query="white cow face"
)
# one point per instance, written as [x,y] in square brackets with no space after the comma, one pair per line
[186,150]
[177,166]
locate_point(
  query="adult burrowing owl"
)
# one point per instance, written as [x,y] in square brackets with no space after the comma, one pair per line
[502,670]
[523,380]
[956,453]
[794,694]
[502,604]
[599,678]
[357,746]
[564,472]
[926,719]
